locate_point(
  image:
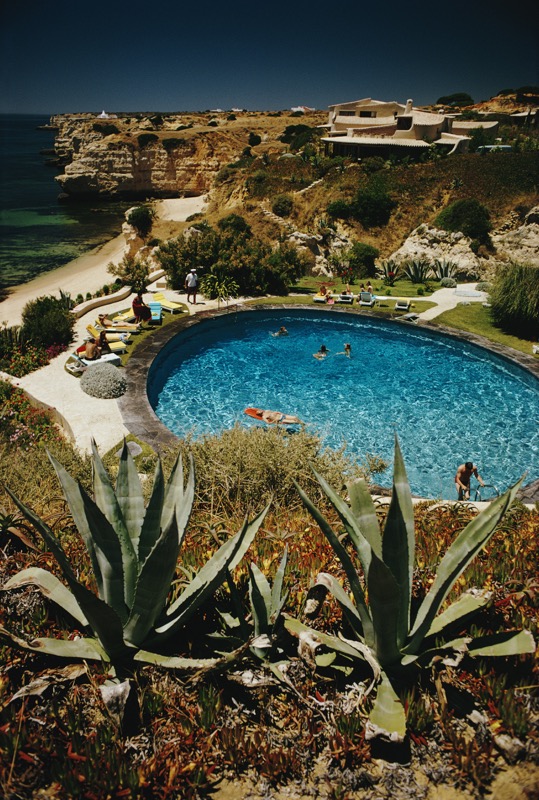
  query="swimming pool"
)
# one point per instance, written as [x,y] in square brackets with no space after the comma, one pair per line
[449,401]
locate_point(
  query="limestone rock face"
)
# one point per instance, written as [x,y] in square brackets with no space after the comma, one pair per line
[118,159]
[432,243]
[522,244]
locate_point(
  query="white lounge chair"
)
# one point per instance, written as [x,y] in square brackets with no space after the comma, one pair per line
[345,298]
[366,299]
[402,305]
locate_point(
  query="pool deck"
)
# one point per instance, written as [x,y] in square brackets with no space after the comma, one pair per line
[86,418]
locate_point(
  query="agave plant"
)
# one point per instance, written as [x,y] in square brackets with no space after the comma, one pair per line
[266,605]
[418,270]
[390,272]
[444,269]
[133,554]
[386,636]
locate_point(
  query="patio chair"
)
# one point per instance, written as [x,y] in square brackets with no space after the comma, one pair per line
[157,312]
[320,298]
[167,305]
[402,305]
[366,299]
[112,335]
[345,298]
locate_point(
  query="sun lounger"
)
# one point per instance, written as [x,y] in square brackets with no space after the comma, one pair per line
[167,305]
[117,328]
[366,299]
[320,298]
[124,316]
[106,358]
[157,312]
[111,335]
[344,298]
[402,305]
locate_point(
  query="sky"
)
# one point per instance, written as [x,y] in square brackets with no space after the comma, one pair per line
[67,57]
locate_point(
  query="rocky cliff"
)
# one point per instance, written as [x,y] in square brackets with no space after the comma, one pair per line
[154,156]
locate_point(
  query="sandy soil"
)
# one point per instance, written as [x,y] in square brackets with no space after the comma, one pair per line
[89,272]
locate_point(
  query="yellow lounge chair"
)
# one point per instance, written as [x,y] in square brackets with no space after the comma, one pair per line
[167,305]
[115,347]
[116,328]
[320,298]
[111,334]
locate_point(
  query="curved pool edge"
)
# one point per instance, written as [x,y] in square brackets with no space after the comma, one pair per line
[141,420]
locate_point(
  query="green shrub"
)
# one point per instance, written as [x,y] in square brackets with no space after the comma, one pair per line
[373,164]
[141,218]
[456,99]
[361,259]
[282,205]
[254,139]
[448,283]
[225,174]
[47,321]
[172,144]
[372,206]
[514,300]
[339,209]
[484,286]
[146,138]
[131,271]
[468,216]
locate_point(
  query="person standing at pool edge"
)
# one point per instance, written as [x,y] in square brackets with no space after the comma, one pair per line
[462,479]
[191,283]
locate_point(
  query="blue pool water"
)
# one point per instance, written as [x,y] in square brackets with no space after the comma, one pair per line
[448,401]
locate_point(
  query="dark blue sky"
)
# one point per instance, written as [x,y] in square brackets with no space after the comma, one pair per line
[173,56]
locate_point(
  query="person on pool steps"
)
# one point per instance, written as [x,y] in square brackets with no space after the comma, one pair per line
[462,479]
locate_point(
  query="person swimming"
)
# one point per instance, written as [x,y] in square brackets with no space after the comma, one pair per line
[322,353]
[281,332]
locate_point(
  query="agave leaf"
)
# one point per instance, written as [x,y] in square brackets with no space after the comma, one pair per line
[361,544]
[449,653]
[129,496]
[151,527]
[50,587]
[179,502]
[277,602]
[107,502]
[103,619]
[347,606]
[466,546]
[333,642]
[238,607]
[345,560]
[100,539]
[506,643]
[387,718]
[210,576]
[385,599]
[260,596]
[153,586]
[468,603]
[398,546]
[175,662]
[86,648]
[364,512]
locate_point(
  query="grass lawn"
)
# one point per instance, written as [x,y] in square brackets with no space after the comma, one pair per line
[147,330]
[476,319]
[384,307]
[403,288]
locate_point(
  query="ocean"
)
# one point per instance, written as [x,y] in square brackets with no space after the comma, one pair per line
[37,233]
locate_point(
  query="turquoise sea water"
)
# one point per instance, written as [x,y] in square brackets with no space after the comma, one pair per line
[37,233]
[447,400]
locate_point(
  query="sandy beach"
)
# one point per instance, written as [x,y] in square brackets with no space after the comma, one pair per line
[89,272]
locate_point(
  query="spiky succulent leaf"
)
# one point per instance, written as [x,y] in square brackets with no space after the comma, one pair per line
[398,547]
[151,527]
[107,502]
[346,604]
[50,587]
[175,662]
[506,643]
[361,544]
[153,586]
[466,605]
[460,553]
[129,496]
[385,598]
[103,620]
[364,512]
[277,598]
[86,648]
[346,561]
[387,718]
[179,501]
[260,597]
[209,577]
[333,642]
[450,653]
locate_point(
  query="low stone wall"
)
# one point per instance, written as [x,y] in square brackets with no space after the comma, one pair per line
[105,299]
